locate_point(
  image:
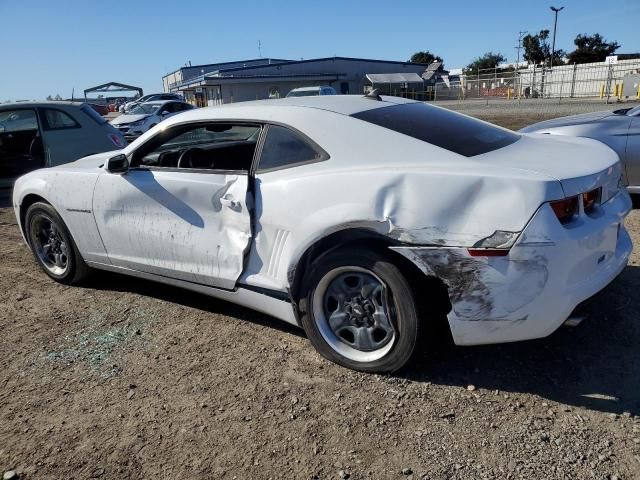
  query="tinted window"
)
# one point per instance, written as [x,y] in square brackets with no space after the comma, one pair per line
[18,121]
[283,148]
[443,128]
[57,120]
[95,116]
[208,147]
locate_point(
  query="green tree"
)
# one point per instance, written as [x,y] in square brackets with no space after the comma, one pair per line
[537,49]
[425,57]
[592,48]
[484,62]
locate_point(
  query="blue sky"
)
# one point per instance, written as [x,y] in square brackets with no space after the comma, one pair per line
[50,47]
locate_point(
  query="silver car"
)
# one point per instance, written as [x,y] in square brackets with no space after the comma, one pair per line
[619,129]
[45,134]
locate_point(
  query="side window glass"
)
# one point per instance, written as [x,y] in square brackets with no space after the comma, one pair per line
[210,147]
[18,121]
[284,147]
[57,120]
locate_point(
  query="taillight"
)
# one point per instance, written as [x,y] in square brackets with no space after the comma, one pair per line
[565,209]
[116,140]
[590,199]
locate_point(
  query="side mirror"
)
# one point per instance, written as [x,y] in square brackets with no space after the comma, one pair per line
[165,113]
[118,164]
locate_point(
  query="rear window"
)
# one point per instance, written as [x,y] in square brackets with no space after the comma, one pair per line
[442,128]
[99,119]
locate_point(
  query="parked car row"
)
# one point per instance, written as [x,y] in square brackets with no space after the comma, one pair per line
[154,97]
[147,115]
[365,221]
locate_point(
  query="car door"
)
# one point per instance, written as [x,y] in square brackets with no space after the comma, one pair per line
[182,209]
[63,137]
[632,154]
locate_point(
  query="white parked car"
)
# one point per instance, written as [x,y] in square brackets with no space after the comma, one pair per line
[153,97]
[362,220]
[311,91]
[146,116]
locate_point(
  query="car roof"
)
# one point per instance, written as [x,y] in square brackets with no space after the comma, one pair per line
[161,102]
[343,104]
[42,104]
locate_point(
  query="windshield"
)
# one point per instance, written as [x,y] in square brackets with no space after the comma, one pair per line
[144,109]
[440,127]
[634,111]
[303,93]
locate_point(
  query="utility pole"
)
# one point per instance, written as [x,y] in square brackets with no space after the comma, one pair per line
[519,46]
[259,49]
[515,70]
[555,25]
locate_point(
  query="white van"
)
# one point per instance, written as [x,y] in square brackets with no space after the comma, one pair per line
[311,91]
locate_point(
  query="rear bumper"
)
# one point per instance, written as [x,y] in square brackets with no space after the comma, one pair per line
[530,292]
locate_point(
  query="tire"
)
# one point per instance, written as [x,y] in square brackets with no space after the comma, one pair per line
[52,244]
[352,332]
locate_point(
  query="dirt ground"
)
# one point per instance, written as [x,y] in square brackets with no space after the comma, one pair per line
[123,378]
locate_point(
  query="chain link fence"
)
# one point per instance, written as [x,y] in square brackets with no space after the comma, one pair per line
[610,82]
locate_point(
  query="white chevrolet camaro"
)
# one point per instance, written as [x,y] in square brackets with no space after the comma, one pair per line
[363,220]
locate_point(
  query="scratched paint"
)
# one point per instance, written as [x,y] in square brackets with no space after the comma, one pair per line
[483,288]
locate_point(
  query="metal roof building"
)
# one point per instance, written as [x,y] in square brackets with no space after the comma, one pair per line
[272,78]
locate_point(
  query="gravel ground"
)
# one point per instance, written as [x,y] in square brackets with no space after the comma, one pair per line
[124,378]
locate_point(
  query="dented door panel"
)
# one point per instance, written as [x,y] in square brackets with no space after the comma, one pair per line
[191,226]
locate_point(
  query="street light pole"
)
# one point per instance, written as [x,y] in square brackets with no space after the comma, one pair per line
[555,25]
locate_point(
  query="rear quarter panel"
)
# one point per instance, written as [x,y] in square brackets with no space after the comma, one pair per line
[385,182]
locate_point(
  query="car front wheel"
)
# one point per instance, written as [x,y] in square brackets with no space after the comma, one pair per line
[52,244]
[359,311]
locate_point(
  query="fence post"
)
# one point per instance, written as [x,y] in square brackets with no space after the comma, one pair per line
[573,80]
[608,87]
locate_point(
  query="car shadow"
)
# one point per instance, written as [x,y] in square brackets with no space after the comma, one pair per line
[595,365]
[116,282]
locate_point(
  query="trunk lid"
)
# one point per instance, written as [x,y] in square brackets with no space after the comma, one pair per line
[579,164]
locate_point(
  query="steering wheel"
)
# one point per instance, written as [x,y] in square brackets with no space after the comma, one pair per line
[185,155]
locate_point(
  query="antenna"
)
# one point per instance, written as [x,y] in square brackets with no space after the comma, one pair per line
[259,49]
[374,95]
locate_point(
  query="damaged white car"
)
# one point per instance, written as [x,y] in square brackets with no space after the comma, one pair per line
[363,220]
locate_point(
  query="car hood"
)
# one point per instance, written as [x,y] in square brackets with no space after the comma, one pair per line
[125,119]
[566,121]
[579,164]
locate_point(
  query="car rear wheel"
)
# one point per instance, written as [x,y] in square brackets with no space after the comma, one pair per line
[359,311]
[52,244]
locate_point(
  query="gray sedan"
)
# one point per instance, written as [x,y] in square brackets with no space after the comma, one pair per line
[44,134]
[619,129]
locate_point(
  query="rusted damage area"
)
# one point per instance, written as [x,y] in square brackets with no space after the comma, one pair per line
[483,288]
